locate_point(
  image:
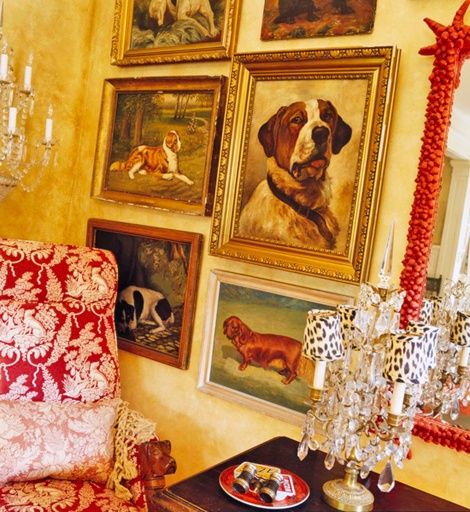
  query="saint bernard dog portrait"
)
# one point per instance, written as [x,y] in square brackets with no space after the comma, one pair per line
[292,203]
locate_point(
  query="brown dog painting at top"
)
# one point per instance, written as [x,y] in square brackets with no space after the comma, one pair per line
[289,9]
[299,140]
[160,160]
[264,349]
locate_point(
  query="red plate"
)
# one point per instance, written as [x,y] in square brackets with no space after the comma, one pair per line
[292,492]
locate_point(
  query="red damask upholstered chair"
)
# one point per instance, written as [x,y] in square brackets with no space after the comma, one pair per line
[67,442]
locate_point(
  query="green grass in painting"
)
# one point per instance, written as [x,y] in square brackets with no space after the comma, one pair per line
[192,160]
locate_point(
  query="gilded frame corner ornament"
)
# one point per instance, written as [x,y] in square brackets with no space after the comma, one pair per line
[279,79]
[126,52]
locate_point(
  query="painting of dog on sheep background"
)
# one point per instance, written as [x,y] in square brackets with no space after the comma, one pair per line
[295,19]
[252,342]
[154,31]
[158,23]
[156,287]
[161,142]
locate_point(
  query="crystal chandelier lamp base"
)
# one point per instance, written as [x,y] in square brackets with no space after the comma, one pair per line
[348,494]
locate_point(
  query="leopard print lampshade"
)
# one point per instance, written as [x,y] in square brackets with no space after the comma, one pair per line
[431,335]
[347,314]
[322,337]
[460,333]
[407,360]
[429,310]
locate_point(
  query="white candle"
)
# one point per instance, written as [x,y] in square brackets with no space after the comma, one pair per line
[319,374]
[49,123]
[398,395]
[3,66]
[464,353]
[13,111]
[28,71]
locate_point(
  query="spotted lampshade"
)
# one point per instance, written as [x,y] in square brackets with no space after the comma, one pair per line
[460,333]
[406,361]
[347,314]
[431,335]
[428,310]
[322,337]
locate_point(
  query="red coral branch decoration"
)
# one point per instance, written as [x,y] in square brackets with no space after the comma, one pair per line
[438,432]
[452,47]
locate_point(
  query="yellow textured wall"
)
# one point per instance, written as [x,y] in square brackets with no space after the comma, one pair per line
[71,41]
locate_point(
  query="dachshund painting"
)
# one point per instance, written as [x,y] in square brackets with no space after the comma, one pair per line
[264,349]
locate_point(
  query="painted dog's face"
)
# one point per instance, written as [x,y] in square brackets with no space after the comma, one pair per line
[303,136]
[125,317]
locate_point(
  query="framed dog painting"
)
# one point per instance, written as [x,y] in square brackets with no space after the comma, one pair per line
[153,31]
[303,148]
[252,342]
[158,272]
[295,19]
[159,141]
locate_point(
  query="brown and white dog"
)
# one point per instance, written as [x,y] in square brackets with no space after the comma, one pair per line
[264,349]
[292,204]
[155,159]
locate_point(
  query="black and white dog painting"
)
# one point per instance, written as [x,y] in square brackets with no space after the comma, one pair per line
[144,306]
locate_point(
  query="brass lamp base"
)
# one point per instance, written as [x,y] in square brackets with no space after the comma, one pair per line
[348,494]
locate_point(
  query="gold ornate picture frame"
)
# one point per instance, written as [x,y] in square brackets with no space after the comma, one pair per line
[157,288]
[302,155]
[155,31]
[159,141]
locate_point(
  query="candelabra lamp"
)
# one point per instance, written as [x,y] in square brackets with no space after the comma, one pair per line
[449,383]
[366,386]
[18,154]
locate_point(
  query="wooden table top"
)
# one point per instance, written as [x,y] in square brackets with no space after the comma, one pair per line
[202,492]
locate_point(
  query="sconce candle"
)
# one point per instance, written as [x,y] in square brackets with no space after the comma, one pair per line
[49,124]
[12,113]
[4,65]
[28,71]
[21,154]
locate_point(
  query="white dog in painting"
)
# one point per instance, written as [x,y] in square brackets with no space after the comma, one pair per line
[185,10]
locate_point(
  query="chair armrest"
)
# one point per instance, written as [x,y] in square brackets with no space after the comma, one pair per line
[155,462]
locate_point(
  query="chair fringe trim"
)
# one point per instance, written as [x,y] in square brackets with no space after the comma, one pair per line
[131,430]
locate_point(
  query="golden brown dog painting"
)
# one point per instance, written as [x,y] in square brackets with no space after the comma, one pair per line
[265,349]
[292,205]
[161,160]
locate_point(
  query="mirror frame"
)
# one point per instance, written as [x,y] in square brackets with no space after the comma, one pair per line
[451,49]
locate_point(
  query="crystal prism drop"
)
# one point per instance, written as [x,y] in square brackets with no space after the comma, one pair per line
[386,479]
[302,449]
[313,445]
[329,460]
[365,470]
[454,411]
